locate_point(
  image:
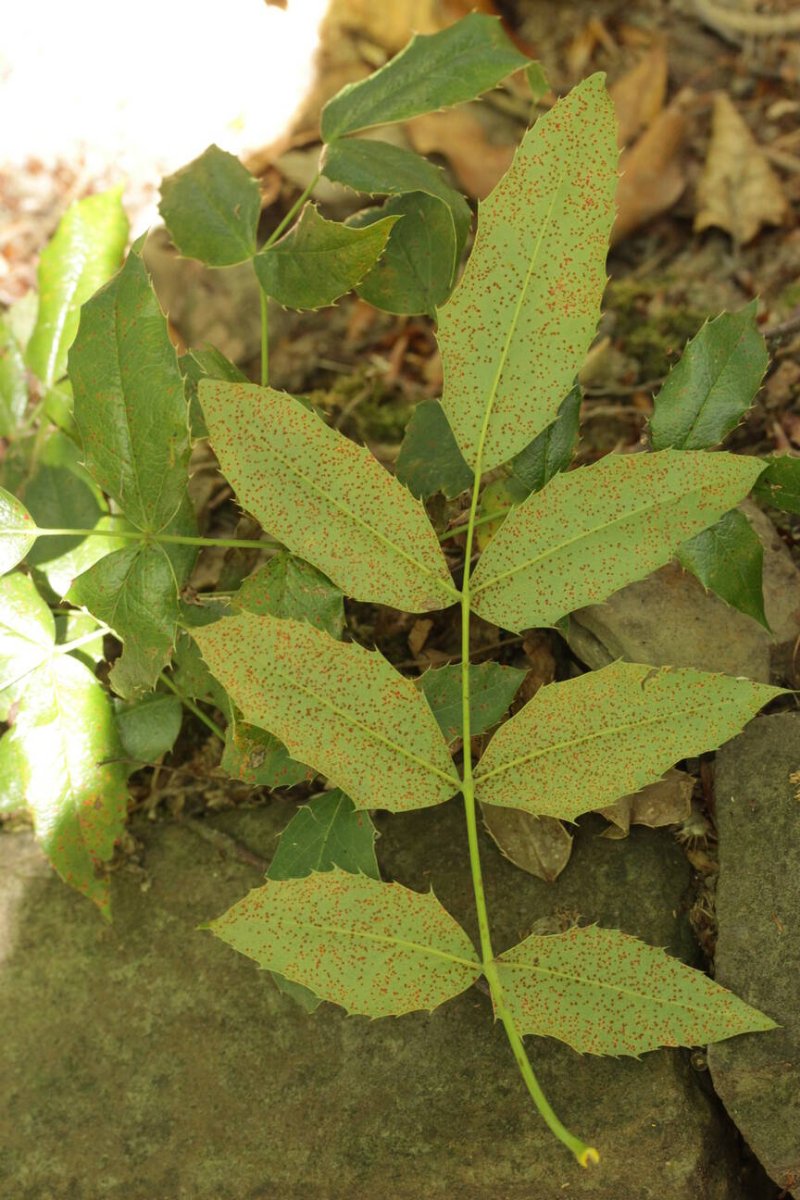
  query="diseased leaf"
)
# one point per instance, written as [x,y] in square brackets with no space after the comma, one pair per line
[728,559]
[517,327]
[603,992]
[539,845]
[492,688]
[416,271]
[325,498]
[317,261]
[374,948]
[325,833]
[288,587]
[779,485]
[195,365]
[149,728]
[591,531]
[430,460]
[13,383]
[85,252]
[14,543]
[211,209]
[580,745]
[708,392]
[553,449]
[130,406]
[258,758]
[340,708]
[191,675]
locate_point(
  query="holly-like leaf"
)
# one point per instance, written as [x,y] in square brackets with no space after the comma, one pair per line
[288,587]
[130,405]
[519,323]
[14,541]
[325,498]
[430,460]
[211,209]
[375,948]
[317,261]
[591,531]
[552,451]
[416,271]
[604,992]
[728,559]
[431,72]
[779,485]
[708,392]
[13,383]
[580,745]
[340,708]
[84,253]
[492,687]
[256,757]
[149,727]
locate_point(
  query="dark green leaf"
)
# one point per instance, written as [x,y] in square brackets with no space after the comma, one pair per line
[148,728]
[728,559]
[713,385]
[492,688]
[553,449]
[430,460]
[211,209]
[207,363]
[327,832]
[432,72]
[287,586]
[130,405]
[417,269]
[59,495]
[317,261]
[256,757]
[537,81]
[14,545]
[13,383]
[779,485]
[84,253]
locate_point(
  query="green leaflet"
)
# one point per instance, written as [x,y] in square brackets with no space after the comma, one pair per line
[325,498]
[430,460]
[14,544]
[374,948]
[211,209]
[779,485]
[580,745]
[149,727]
[603,992]
[13,383]
[591,531]
[258,758]
[201,364]
[553,449]
[340,708]
[491,690]
[56,750]
[59,494]
[521,319]
[416,272]
[432,72]
[708,392]
[85,252]
[288,587]
[728,559]
[317,261]
[130,406]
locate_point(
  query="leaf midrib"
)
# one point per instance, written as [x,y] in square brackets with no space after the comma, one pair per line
[414,947]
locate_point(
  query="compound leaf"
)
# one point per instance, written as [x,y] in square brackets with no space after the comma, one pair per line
[431,72]
[430,460]
[14,542]
[591,531]
[130,405]
[604,992]
[708,392]
[728,559]
[340,708]
[779,486]
[211,209]
[518,325]
[580,745]
[553,449]
[325,498]
[416,272]
[376,949]
[492,687]
[84,253]
[288,587]
[317,261]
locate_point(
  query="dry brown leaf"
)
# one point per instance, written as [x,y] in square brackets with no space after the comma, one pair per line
[668,801]
[651,174]
[540,845]
[459,137]
[639,94]
[419,635]
[738,190]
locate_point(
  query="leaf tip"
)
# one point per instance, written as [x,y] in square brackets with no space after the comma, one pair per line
[588,1155]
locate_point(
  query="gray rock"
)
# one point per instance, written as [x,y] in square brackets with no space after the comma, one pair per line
[146,1061]
[758,951]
